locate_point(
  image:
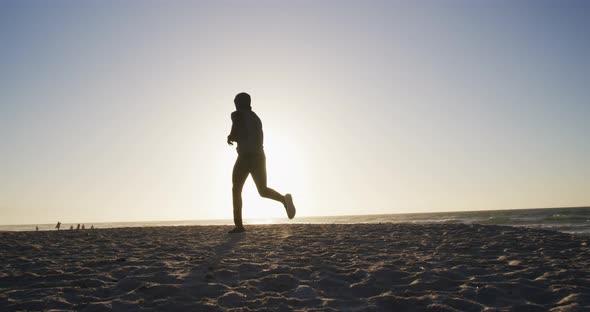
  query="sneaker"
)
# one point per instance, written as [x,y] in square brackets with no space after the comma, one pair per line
[289,206]
[237,229]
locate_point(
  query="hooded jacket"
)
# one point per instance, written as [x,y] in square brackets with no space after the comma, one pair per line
[246,130]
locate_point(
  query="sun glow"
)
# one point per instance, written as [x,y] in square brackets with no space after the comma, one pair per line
[286,173]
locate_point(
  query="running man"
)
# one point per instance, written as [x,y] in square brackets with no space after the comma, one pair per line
[246,130]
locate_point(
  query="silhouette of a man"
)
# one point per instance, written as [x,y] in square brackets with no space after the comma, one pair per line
[246,130]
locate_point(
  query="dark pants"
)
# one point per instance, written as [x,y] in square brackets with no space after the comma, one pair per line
[254,164]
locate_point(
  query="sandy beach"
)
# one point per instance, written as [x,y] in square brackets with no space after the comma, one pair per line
[355,267]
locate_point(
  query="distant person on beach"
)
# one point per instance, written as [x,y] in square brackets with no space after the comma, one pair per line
[246,130]
[78,227]
[36,228]
[83,227]
[58,225]
[71,227]
[92,227]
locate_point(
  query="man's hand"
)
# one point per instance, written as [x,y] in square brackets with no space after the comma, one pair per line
[229,142]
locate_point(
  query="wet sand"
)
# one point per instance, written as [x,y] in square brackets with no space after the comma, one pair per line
[354,267]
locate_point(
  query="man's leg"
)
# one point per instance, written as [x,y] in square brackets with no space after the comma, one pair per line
[239,176]
[259,175]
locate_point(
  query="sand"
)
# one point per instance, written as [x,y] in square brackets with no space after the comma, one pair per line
[358,267]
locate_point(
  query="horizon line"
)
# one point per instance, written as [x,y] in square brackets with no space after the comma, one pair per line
[318,216]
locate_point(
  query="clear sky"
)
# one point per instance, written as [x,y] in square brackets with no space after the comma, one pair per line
[119,111]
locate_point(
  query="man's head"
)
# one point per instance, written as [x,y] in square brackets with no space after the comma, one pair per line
[242,101]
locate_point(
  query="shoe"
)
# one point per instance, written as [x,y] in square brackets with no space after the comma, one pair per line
[237,229]
[289,206]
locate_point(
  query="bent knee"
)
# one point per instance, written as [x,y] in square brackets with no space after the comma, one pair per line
[264,192]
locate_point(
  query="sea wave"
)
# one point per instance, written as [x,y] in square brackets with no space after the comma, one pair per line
[569,220]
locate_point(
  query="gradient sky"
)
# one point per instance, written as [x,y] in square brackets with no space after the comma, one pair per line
[118,111]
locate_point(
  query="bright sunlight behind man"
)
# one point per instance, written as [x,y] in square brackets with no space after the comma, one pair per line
[121,112]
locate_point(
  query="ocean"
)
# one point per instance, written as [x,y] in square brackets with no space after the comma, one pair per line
[574,220]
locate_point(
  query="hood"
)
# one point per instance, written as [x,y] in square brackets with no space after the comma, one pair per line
[243,107]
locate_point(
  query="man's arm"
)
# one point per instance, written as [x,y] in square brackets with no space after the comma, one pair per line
[236,128]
